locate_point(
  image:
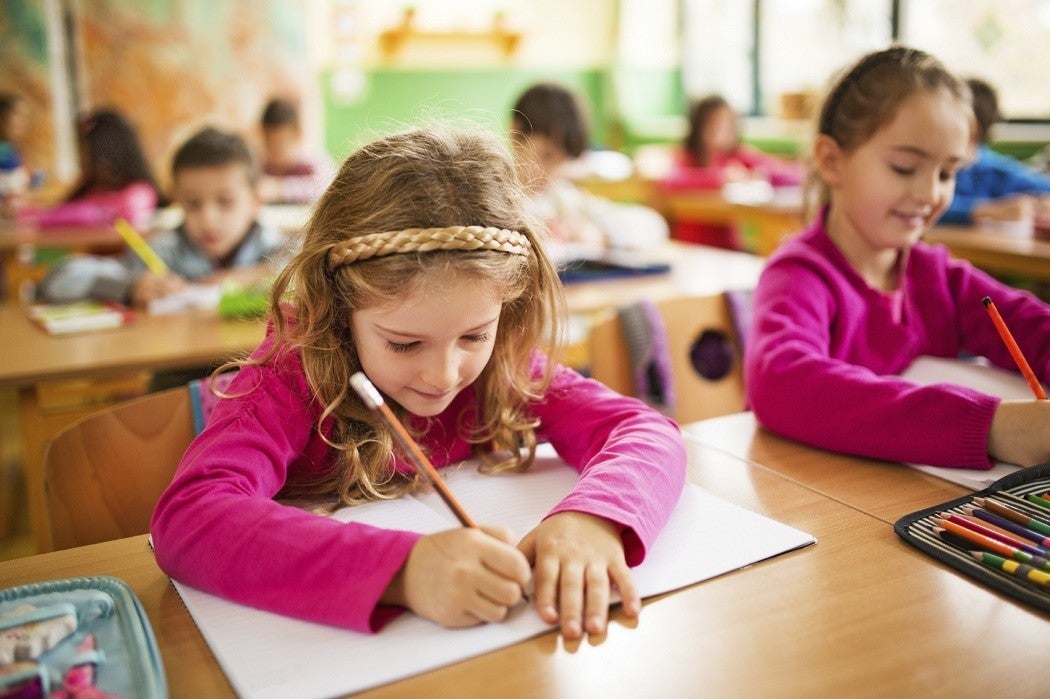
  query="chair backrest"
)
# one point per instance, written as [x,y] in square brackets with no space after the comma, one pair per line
[105,473]
[697,327]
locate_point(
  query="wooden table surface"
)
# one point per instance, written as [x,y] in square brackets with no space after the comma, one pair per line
[885,490]
[996,252]
[858,614]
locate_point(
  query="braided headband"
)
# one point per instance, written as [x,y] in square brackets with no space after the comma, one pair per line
[427,240]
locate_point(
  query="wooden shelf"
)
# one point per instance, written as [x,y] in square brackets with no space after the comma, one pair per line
[392,41]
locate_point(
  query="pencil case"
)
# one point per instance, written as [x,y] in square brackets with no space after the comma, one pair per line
[1013,490]
[83,632]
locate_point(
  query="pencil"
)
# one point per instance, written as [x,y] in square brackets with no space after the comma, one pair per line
[140,247]
[1004,510]
[374,400]
[993,546]
[1042,502]
[970,530]
[1014,568]
[1015,351]
[1007,525]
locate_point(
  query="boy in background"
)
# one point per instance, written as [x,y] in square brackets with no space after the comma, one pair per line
[214,182]
[548,130]
[289,175]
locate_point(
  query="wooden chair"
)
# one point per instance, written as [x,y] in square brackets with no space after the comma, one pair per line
[686,320]
[105,473]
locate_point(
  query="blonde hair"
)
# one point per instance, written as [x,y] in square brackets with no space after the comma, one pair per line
[866,96]
[404,213]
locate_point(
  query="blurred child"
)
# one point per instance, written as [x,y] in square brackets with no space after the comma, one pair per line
[848,304]
[289,175]
[420,268]
[14,179]
[214,179]
[115,180]
[995,186]
[713,156]
[548,129]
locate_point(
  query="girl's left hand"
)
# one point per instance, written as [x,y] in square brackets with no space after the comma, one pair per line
[576,557]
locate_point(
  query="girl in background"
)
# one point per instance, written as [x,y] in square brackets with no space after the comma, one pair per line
[847,305]
[115,180]
[421,268]
[713,156]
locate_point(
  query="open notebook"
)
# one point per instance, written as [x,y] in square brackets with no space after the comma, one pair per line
[979,376]
[266,655]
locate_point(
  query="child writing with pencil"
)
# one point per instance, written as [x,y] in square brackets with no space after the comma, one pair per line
[421,269]
[850,302]
[220,238]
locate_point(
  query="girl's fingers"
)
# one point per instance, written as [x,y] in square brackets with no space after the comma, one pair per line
[546,592]
[596,603]
[620,575]
[570,599]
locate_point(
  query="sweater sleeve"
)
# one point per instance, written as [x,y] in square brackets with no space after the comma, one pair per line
[797,388]
[217,528]
[631,459]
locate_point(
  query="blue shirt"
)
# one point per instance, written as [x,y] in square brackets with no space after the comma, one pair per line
[991,175]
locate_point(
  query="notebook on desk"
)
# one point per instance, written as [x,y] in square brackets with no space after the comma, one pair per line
[978,376]
[267,655]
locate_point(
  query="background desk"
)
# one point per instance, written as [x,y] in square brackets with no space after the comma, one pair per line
[30,360]
[997,253]
[20,241]
[858,614]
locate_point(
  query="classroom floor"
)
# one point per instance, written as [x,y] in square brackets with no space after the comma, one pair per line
[17,542]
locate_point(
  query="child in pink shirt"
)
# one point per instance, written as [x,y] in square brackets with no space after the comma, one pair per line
[420,268]
[848,304]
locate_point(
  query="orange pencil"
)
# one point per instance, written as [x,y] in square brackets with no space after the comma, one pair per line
[1015,351]
[374,400]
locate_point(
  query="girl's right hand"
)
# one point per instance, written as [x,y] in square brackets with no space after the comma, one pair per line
[461,577]
[1020,432]
[149,287]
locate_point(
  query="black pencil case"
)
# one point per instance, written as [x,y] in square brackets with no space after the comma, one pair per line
[917,530]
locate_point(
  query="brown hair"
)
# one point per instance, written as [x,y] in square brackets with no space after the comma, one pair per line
[866,96]
[700,113]
[553,111]
[985,107]
[210,148]
[419,179]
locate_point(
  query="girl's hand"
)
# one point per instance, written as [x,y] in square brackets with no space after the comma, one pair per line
[576,556]
[461,577]
[1020,432]
[149,287]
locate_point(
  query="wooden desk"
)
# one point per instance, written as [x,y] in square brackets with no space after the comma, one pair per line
[858,614]
[997,253]
[771,222]
[30,360]
[695,270]
[885,490]
[19,240]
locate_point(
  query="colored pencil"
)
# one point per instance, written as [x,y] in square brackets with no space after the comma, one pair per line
[374,400]
[1036,500]
[140,247]
[1009,526]
[1015,350]
[969,530]
[1014,568]
[1004,510]
[993,546]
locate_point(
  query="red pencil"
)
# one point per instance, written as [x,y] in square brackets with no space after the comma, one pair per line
[1015,351]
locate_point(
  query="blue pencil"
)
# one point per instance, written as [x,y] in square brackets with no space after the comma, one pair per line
[1009,526]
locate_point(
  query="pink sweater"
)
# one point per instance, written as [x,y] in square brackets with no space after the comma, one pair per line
[687,174]
[825,348]
[218,529]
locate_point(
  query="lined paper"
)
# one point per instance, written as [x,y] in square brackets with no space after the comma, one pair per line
[268,656]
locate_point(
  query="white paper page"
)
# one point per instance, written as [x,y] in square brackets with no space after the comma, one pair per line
[978,376]
[265,655]
[191,296]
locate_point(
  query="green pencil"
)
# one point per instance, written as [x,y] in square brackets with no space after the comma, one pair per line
[1020,570]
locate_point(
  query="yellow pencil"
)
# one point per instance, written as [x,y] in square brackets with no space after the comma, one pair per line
[140,247]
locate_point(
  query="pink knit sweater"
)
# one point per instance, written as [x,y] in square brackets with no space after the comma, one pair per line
[825,350]
[218,529]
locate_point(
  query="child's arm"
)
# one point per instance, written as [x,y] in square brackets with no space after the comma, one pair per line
[1020,432]
[151,286]
[632,462]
